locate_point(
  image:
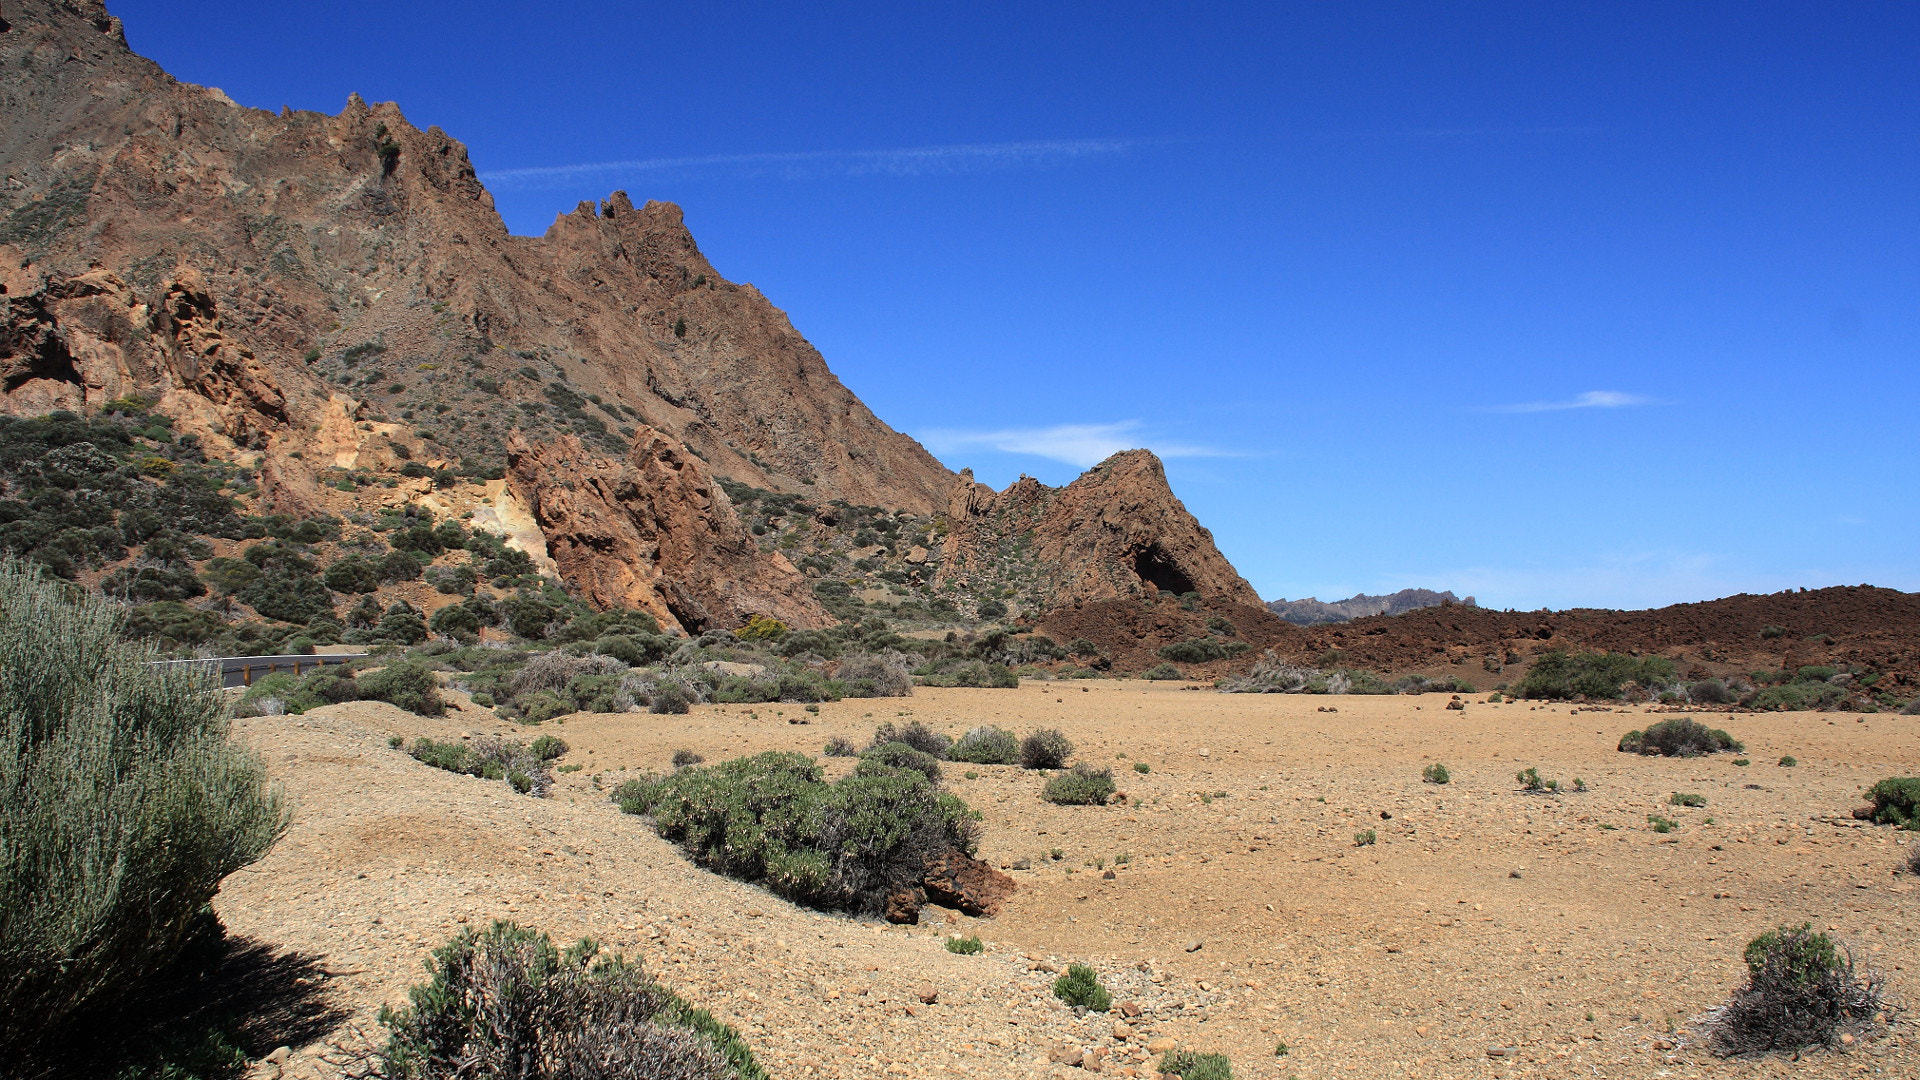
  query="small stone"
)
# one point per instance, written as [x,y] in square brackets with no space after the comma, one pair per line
[1846,1038]
[1121,1031]
[280,1054]
[1160,1045]
[1196,945]
[1094,1059]
[1204,752]
[928,994]
[1132,1009]
[1421,1029]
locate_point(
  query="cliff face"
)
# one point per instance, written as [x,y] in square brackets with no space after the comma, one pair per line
[654,532]
[312,236]
[1116,532]
[315,295]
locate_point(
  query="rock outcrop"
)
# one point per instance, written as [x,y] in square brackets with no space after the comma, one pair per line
[1116,532]
[654,532]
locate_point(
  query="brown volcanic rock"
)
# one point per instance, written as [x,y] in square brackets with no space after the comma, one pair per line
[1876,629]
[654,533]
[306,231]
[1130,634]
[959,881]
[1116,532]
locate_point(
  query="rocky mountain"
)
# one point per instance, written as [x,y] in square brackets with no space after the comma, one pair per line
[1312,612]
[331,303]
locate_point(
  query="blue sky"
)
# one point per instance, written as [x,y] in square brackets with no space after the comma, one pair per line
[1555,304]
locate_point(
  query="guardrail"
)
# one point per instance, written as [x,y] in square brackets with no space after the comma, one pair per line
[242,670]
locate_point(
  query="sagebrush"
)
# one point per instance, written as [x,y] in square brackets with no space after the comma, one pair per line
[125,803]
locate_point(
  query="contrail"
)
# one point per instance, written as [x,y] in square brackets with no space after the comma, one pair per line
[913,161]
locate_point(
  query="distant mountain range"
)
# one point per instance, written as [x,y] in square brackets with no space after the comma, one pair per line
[1311,612]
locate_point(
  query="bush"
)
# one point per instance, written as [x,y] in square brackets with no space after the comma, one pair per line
[1801,991]
[1678,737]
[1083,785]
[1913,861]
[1436,773]
[1798,697]
[868,675]
[125,806]
[684,758]
[409,684]
[839,746]
[1561,675]
[1686,798]
[1202,650]
[1142,767]
[851,845]
[981,673]
[507,1003]
[549,747]
[1896,801]
[898,755]
[1080,987]
[965,946]
[1710,692]
[1272,675]
[523,768]
[1162,673]
[915,734]
[1046,748]
[986,745]
[1365,838]
[1189,1065]
[1789,761]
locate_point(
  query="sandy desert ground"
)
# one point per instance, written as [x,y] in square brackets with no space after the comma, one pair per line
[1487,933]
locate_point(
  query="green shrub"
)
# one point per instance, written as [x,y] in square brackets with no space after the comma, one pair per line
[959,672]
[771,819]
[1798,697]
[125,805]
[986,746]
[898,755]
[1202,650]
[684,758]
[507,1003]
[549,747]
[523,768]
[1789,761]
[965,946]
[1684,798]
[1046,748]
[1083,785]
[1802,990]
[1561,675]
[409,684]
[1436,773]
[1896,801]
[1162,673]
[915,734]
[839,746]
[1080,987]
[1678,737]
[1365,838]
[1189,1065]
[1662,824]
[1142,767]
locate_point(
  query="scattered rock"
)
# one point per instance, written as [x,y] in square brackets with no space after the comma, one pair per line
[960,881]
[1160,1045]
[1196,945]
[927,994]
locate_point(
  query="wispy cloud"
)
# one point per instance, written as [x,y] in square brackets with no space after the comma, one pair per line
[1592,399]
[1080,445]
[796,165]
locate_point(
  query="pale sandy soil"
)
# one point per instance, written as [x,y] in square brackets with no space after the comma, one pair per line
[1482,919]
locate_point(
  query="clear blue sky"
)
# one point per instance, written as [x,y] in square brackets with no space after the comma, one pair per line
[1608,304]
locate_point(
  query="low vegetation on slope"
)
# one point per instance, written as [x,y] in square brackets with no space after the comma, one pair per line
[506,1002]
[122,806]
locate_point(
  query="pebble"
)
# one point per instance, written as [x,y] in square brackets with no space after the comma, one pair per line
[1196,945]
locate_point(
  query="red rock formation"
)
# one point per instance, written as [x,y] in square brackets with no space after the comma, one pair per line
[1116,532]
[655,533]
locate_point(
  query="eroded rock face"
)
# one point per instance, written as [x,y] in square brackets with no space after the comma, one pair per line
[306,237]
[654,532]
[1116,532]
[967,885]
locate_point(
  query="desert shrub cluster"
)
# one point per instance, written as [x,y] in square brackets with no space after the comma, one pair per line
[125,804]
[506,1002]
[1273,675]
[772,819]
[1679,736]
[528,769]
[1896,801]
[1195,1065]
[1082,785]
[1802,990]
[1562,676]
[986,745]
